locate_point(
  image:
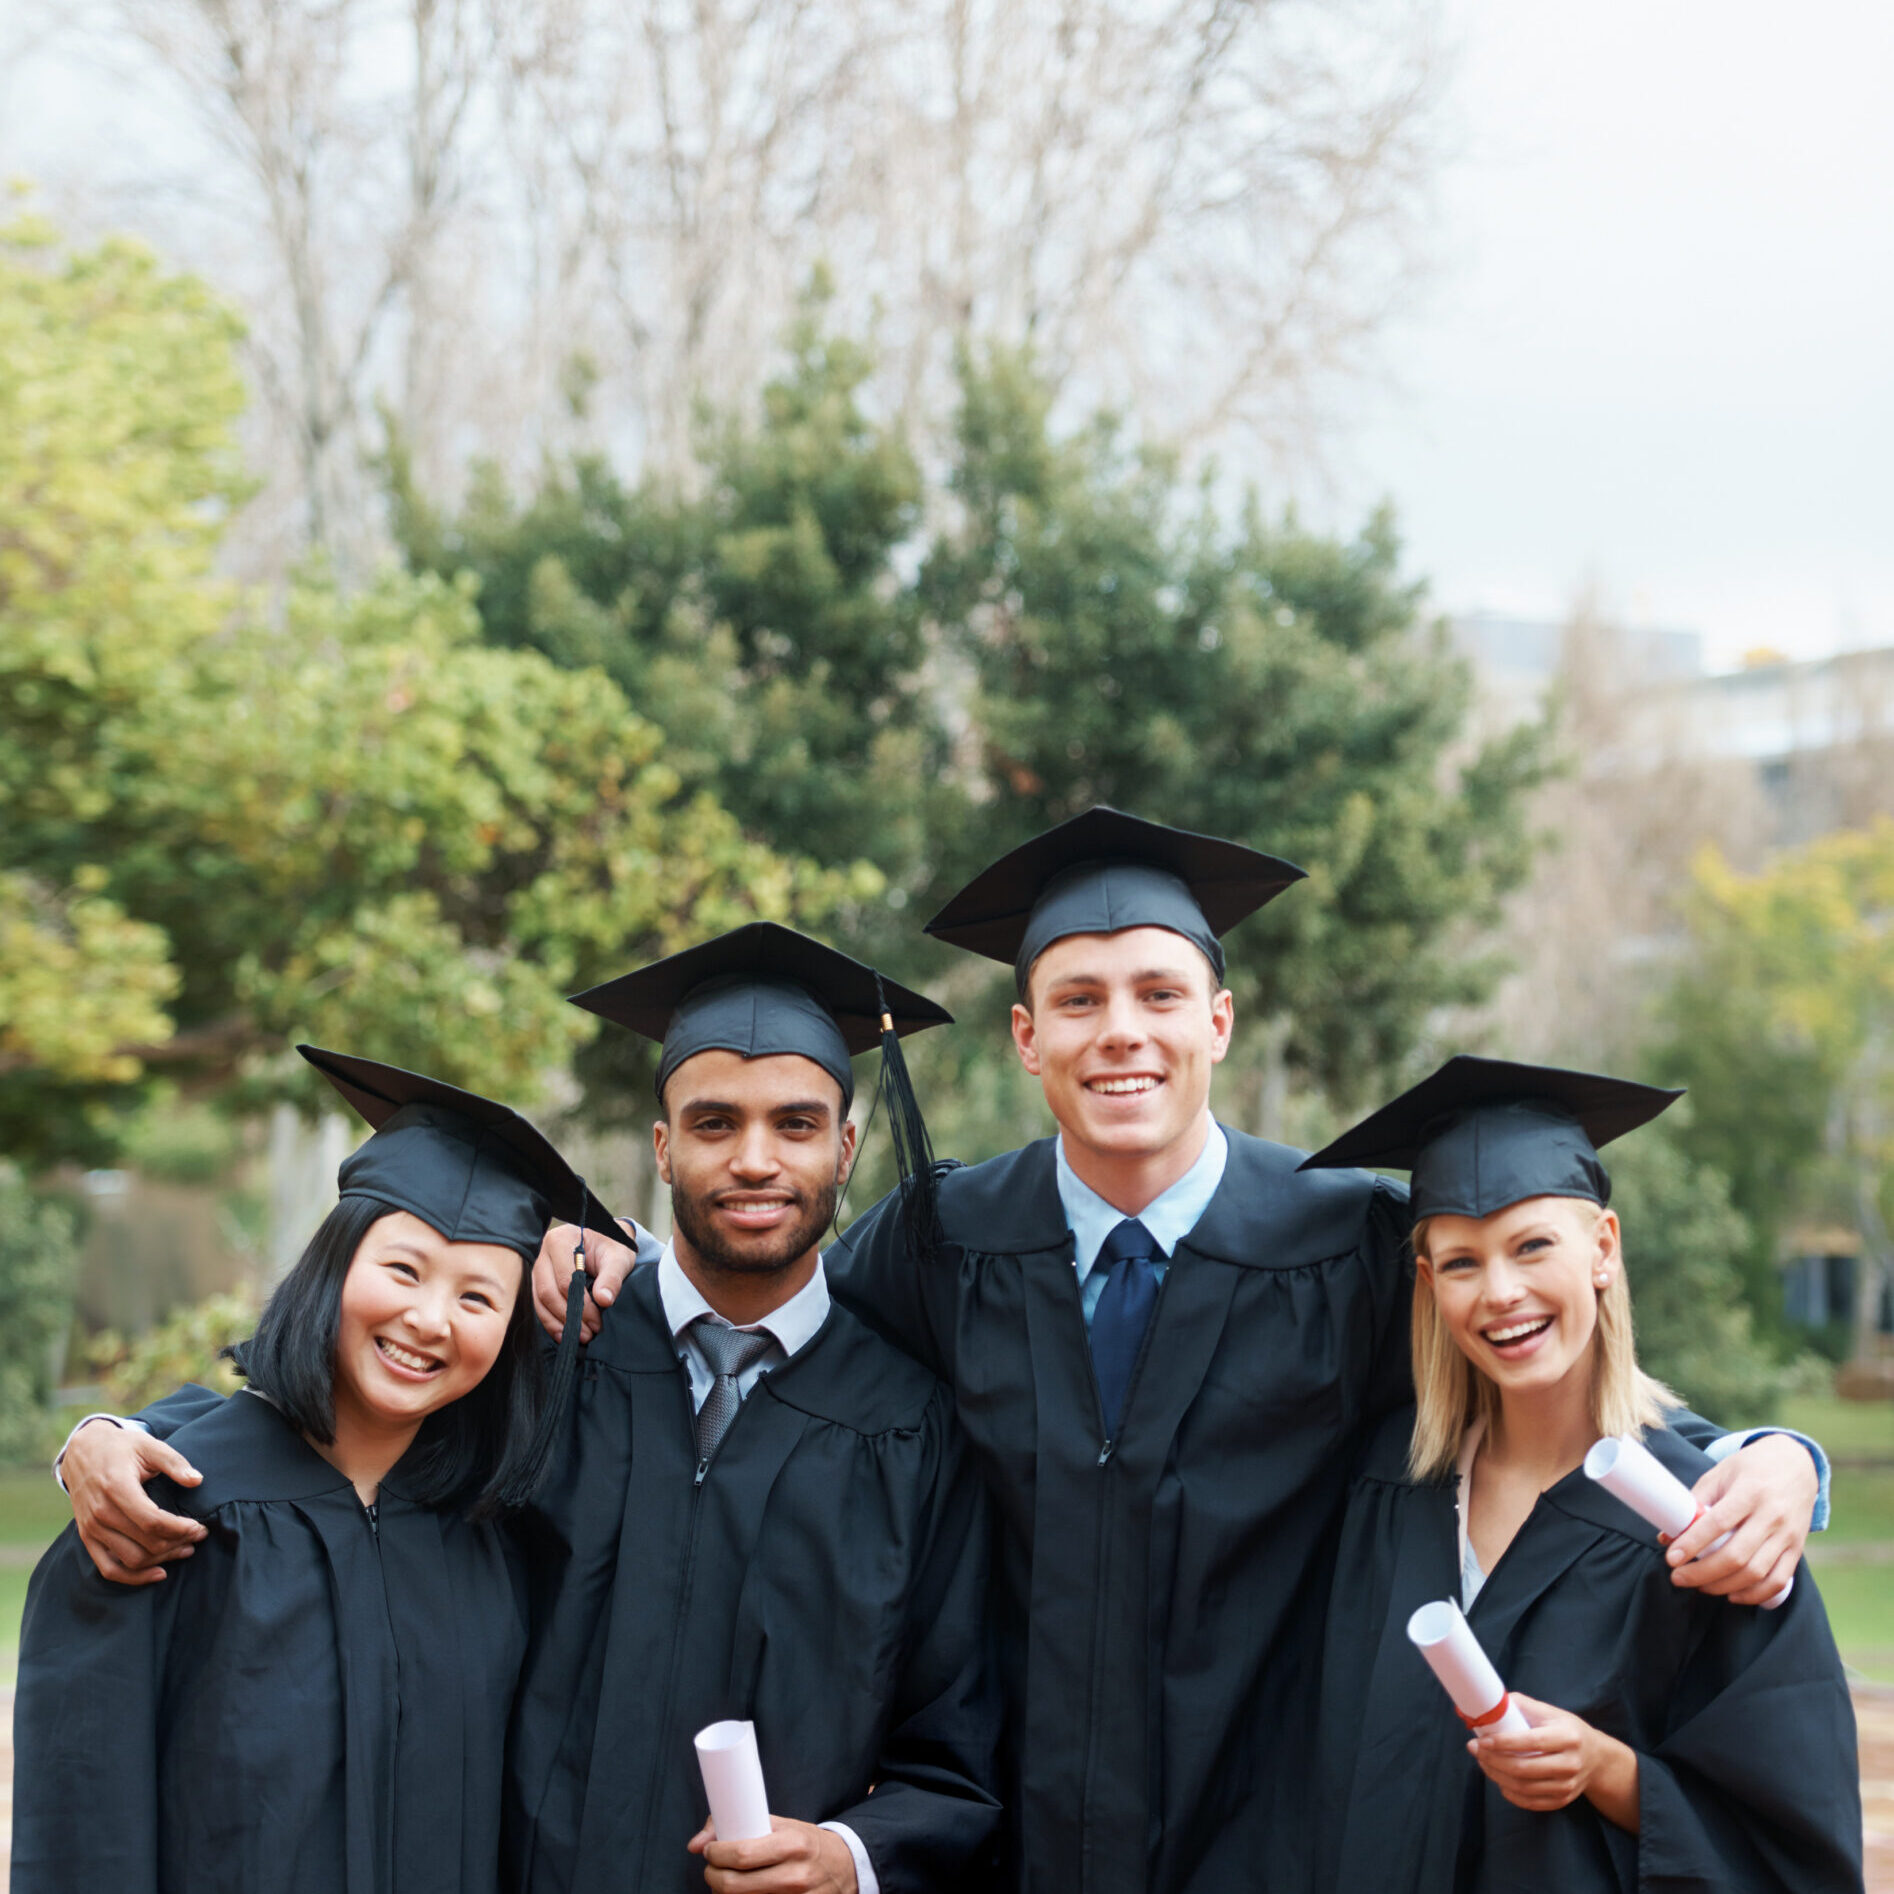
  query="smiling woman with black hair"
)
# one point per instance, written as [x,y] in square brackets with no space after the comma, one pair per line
[318,1701]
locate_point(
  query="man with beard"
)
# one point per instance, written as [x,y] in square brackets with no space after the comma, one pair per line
[761,1510]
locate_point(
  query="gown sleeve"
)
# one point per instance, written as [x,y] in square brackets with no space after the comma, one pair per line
[85,1756]
[933,1812]
[1753,1786]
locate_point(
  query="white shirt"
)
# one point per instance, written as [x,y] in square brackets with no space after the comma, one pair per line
[1170,1216]
[792,1326]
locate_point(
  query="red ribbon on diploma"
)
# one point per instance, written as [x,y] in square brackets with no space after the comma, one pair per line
[1486,1716]
[1670,1538]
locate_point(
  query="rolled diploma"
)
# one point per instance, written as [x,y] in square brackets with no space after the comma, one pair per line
[1628,1470]
[733,1780]
[1453,1654]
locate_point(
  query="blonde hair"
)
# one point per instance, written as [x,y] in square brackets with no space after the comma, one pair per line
[1450,1393]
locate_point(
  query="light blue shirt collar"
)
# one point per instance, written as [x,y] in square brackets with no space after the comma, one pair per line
[1170,1216]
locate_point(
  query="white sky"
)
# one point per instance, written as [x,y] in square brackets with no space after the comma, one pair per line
[1659,352]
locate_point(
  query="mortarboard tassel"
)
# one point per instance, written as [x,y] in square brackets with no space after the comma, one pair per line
[559,1383]
[913,1150]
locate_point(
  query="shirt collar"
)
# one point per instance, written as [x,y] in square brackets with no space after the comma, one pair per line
[793,1324]
[1170,1216]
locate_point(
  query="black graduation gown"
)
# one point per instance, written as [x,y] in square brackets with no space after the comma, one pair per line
[308,1705]
[1161,1595]
[825,1577]
[1747,1771]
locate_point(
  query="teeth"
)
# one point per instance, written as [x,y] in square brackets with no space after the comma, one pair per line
[1501,1336]
[1119,1086]
[405,1357]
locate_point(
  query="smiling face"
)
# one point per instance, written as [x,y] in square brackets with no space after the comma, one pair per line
[421,1322]
[1123,1032]
[1518,1291]
[755,1152]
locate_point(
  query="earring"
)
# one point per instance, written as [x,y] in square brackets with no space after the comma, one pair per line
[1598,1282]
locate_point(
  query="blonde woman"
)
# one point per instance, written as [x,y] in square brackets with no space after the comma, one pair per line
[1677,1740]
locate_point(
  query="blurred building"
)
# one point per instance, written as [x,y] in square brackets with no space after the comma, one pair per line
[1813,739]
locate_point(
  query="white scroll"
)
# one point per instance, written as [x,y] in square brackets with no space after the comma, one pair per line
[1453,1653]
[1628,1470]
[733,1780]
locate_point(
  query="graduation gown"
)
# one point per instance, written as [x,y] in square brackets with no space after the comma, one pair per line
[308,1705]
[1747,1768]
[1160,1595]
[824,1576]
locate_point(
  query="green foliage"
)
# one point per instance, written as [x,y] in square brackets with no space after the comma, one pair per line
[1076,627]
[38,1263]
[1782,1025]
[118,399]
[186,1346]
[362,824]
[1684,1242]
[1272,685]
[755,622]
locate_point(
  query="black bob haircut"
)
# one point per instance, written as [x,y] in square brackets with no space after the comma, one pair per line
[484,1452]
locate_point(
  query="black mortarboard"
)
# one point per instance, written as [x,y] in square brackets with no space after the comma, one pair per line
[1480,1134]
[475,1170]
[765,990]
[1102,872]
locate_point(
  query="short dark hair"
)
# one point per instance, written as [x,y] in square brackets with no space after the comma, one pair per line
[481,1452]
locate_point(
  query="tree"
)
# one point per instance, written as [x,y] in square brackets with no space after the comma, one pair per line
[758,620]
[568,219]
[1684,1242]
[361,825]
[1782,1024]
[1267,684]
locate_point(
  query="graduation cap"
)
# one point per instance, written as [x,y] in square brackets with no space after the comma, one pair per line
[1102,872]
[765,990]
[1480,1134]
[472,1168]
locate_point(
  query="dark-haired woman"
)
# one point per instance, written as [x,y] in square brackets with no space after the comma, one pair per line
[316,1702]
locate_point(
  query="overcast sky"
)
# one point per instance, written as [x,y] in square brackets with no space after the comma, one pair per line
[1657,351]
[1658,355]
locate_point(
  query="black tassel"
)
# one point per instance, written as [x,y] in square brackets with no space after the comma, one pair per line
[560,1379]
[913,1150]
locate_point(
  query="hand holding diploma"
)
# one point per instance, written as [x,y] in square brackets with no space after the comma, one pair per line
[1453,1653]
[746,1850]
[1560,1758]
[1629,1471]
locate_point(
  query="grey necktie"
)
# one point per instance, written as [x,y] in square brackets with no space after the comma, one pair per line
[728,1351]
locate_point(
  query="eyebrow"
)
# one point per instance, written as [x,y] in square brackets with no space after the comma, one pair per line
[735,1110]
[1175,975]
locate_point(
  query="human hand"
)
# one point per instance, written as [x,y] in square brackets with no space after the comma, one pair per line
[1560,1758]
[607,1261]
[128,1536]
[793,1858]
[1763,1496]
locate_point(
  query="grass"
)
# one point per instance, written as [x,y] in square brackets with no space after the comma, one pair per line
[1860,1601]
[1850,1430]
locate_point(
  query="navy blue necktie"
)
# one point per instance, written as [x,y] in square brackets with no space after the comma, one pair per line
[1131,1254]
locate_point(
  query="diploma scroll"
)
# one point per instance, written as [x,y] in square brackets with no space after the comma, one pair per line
[1628,1470]
[1453,1653]
[733,1780]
